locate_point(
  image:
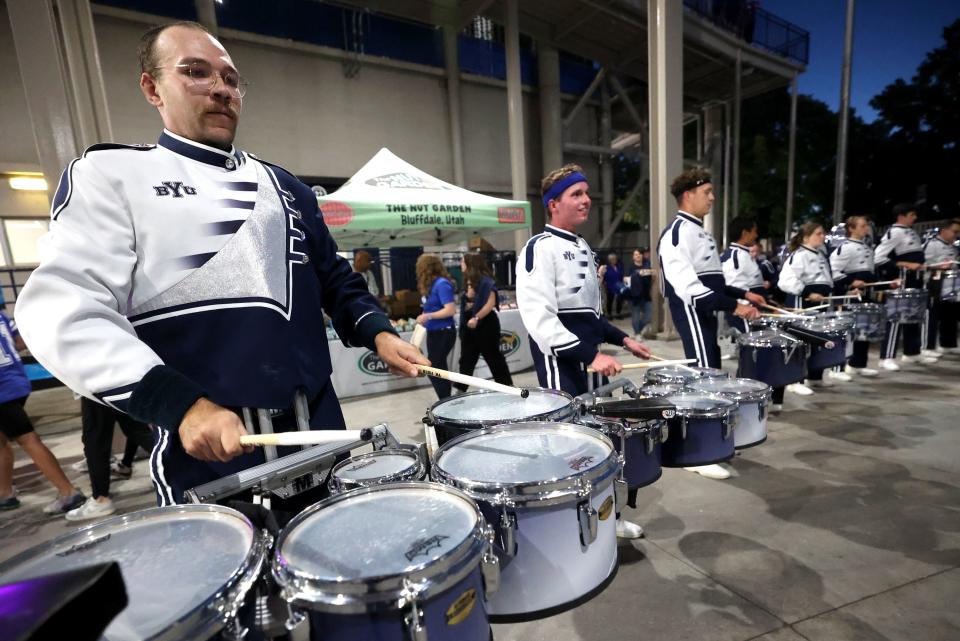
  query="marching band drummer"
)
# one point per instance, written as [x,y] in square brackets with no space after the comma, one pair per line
[941,254]
[558,296]
[806,279]
[901,247]
[741,270]
[169,300]
[852,265]
[692,279]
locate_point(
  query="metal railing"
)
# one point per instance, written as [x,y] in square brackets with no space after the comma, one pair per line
[756,26]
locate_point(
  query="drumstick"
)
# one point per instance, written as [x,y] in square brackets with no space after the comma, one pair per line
[781,315]
[311,437]
[473,381]
[882,282]
[660,358]
[780,312]
[662,363]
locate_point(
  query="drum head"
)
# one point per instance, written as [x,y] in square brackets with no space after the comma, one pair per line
[173,560]
[486,407]
[700,403]
[673,374]
[375,465]
[523,454]
[736,388]
[767,338]
[369,534]
[655,390]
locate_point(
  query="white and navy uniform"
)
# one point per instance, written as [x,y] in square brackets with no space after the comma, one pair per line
[900,243]
[943,315]
[853,260]
[177,270]
[558,295]
[741,271]
[806,271]
[691,280]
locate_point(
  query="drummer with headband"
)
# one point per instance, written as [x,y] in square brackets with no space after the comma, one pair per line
[940,255]
[692,279]
[558,296]
[899,248]
[852,265]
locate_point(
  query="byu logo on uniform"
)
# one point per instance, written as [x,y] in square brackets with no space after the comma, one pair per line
[568,255]
[175,189]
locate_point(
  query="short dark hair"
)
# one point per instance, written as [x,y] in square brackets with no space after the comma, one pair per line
[147,49]
[741,224]
[689,179]
[903,209]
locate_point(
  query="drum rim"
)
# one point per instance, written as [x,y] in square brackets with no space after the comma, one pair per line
[640,390]
[382,592]
[340,484]
[433,419]
[630,428]
[753,339]
[216,610]
[834,326]
[532,494]
[720,412]
[747,395]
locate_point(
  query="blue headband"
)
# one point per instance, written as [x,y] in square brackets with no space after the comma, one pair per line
[561,186]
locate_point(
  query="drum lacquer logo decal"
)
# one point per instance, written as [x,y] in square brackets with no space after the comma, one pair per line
[360,465]
[80,547]
[423,546]
[606,509]
[580,463]
[462,607]
[371,364]
[509,342]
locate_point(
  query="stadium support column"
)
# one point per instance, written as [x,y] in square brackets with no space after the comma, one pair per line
[737,100]
[791,160]
[60,68]
[840,184]
[665,69]
[551,116]
[518,157]
[451,59]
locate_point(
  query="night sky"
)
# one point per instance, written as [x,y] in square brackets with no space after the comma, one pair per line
[890,39]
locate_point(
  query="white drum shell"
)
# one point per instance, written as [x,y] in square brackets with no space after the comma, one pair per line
[551,567]
[751,424]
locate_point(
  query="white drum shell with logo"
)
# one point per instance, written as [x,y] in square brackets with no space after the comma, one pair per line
[753,397]
[552,569]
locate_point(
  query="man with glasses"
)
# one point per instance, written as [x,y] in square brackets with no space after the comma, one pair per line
[183,281]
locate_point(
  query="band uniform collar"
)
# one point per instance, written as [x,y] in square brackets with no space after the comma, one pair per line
[201,153]
[562,233]
[690,217]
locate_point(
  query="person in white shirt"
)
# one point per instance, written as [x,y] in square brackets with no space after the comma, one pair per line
[852,264]
[806,279]
[940,255]
[901,248]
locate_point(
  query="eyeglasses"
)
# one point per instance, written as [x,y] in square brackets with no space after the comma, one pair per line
[203,78]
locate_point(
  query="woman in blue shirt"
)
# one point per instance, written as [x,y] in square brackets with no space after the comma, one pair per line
[479,323]
[437,296]
[613,280]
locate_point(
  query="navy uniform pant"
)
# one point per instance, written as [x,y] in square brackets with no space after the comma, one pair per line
[563,374]
[911,339]
[941,323]
[698,332]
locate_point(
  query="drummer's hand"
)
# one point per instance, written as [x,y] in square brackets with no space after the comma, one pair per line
[816,298]
[212,433]
[748,312]
[398,354]
[754,298]
[606,365]
[857,283]
[472,323]
[895,284]
[422,319]
[636,348]
[911,266]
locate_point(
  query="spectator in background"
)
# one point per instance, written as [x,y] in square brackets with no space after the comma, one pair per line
[479,323]
[613,283]
[361,265]
[437,296]
[98,421]
[15,425]
[641,283]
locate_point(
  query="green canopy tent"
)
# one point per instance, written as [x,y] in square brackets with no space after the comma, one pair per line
[391,203]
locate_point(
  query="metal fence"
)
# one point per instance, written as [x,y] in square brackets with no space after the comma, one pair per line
[756,26]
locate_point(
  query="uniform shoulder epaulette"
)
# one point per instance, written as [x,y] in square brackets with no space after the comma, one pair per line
[267,162]
[104,146]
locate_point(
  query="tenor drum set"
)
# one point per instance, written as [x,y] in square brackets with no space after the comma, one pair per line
[512,518]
